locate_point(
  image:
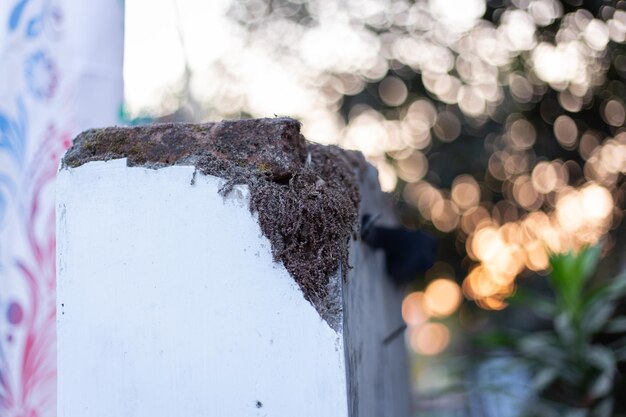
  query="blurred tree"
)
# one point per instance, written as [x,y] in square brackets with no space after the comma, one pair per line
[499,123]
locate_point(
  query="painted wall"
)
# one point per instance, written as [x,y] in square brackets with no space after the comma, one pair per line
[170,304]
[60,73]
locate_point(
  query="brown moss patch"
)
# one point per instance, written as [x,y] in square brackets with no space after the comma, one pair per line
[306,196]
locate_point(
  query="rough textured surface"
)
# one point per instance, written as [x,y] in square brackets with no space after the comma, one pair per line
[306,196]
[273,147]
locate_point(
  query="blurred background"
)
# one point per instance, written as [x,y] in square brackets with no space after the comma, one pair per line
[497,124]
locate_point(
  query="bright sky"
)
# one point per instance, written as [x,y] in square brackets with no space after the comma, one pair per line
[154,58]
[156,29]
[230,70]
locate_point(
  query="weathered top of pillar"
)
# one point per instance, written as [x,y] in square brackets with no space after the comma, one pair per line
[306,195]
[272,146]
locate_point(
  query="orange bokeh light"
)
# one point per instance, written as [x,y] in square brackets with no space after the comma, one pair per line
[442,297]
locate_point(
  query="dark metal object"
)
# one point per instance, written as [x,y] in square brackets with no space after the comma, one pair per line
[407,252]
[393,335]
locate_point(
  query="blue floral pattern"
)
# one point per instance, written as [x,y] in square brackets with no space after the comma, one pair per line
[26,22]
[38,118]
[13,132]
[36,22]
[41,75]
[16,14]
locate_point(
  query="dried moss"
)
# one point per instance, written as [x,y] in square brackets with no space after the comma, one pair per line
[306,196]
[309,222]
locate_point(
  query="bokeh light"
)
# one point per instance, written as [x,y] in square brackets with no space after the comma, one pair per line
[499,123]
[429,339]
[442,297]
[413,311]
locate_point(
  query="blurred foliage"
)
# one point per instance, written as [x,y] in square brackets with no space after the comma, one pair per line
[498,123]
[578,360]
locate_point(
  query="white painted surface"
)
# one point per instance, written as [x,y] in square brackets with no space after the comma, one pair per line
[169,304]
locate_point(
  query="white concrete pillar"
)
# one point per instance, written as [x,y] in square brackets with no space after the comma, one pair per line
[175,298]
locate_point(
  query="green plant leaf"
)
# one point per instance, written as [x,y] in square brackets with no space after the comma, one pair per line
[619,349]
[543,378]
[612,290]
[617,287]
[587,261]
[569,274]
[617,325]
[596,317]
[544,348]
[565,328]
[600,304]
[602,386]
[602,358]
[562,267]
